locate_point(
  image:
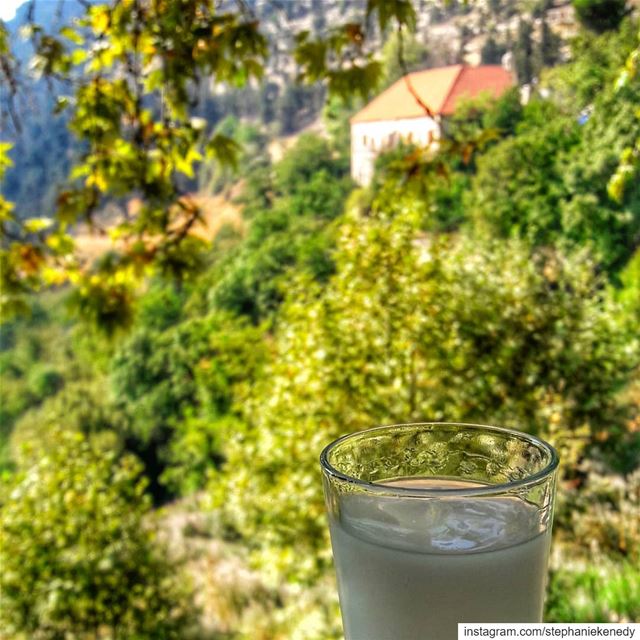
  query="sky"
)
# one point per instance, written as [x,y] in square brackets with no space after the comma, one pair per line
[8,8]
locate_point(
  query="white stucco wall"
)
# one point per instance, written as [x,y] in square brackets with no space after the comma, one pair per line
[368,139]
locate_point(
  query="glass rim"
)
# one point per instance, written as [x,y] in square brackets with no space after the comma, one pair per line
[503,487]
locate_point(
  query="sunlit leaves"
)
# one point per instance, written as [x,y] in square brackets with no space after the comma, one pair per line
[626,171]
[78,551]
[34,225]
[136,67]
[20,258]
[224,149]
[72,35]
[5,206]
[104,297]
[630,158]
[342,58]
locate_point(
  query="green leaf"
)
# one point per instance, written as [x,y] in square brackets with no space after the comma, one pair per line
[35,225]
[224,149]
[71,34]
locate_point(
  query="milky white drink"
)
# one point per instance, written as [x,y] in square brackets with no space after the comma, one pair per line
[412,568]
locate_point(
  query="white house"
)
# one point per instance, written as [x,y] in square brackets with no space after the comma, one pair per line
[396,114]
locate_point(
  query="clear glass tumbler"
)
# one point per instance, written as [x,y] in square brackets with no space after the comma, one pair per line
[433,524]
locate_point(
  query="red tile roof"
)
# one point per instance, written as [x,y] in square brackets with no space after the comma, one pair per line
[440,89]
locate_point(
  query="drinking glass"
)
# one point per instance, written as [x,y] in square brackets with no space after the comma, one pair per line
[434,524]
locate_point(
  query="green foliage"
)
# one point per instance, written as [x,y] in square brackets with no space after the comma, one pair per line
[439,184]
[600,15]
[248,144]
[486,113]
[549,183]
[519,184]
[44,381]
[548,53]
[629,293]
[38,361]
[83,406]
[627,170]
[161,306]
[253,281]
[505,113]
[437,194]
[174,385]
[336,116]
[289,230]
[596,61]
[589,216]
[608,593]
[601,513]
[492,280]
[492,52]
[312,178]
[524,52]
[79,555]
[412,328]
[135,118]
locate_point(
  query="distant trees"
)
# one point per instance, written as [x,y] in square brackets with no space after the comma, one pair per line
[492,52]
[414,55]
[533,52]
[548,50]
[525,200]
[523,52]
[548,183]
[600,15]
[295,106]
[290,208]
[172,387]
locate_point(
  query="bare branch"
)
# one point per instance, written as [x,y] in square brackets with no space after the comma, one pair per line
[407,76]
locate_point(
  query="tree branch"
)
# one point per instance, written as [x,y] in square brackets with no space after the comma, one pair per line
[407,77]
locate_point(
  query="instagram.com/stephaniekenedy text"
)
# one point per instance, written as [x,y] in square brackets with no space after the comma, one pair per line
[629,631]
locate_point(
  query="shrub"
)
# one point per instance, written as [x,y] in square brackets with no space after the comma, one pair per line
[44,381]
[83,406]
[79,556]
[174,385]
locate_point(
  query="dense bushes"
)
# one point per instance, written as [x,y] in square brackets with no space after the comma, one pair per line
[78,553]
[548,182]
[416,328]
[173,386]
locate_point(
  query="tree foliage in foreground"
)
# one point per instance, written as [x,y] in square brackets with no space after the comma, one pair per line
[79,555]
[132,69]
